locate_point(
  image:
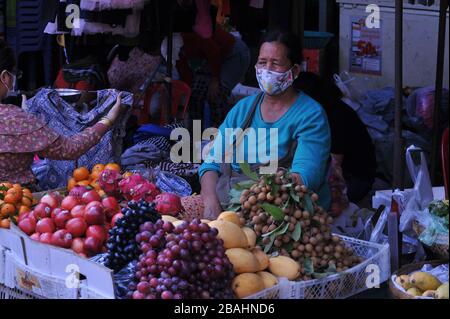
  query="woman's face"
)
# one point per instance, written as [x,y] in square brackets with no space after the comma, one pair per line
[273,56]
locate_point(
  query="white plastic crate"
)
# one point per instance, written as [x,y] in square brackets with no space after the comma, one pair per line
[349,282]
[2,265]
[278,291]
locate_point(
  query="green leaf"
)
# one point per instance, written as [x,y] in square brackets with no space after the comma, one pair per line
[308,266]
[308,203]
[275,230]
[297,233]
[294,196]
[275,211]
[244,185]
[289,246]
[3,188]
[269,245]
[275,188]
[245,168]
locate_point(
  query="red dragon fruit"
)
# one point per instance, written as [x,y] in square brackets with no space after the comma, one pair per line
[168,204]
[78,191]
[109,182]
[136,188]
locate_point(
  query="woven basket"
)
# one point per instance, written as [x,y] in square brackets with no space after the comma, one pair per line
[439,250]
[406,270]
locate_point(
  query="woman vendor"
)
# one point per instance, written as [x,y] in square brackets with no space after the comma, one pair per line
[303,130]
[22,135]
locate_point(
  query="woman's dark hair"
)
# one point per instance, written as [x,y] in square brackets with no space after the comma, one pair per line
[7,57]
[289,40]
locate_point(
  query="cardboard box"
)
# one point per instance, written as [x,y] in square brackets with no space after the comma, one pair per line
[65,268]
[13,242]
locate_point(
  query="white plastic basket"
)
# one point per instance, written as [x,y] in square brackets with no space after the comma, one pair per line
[376,264]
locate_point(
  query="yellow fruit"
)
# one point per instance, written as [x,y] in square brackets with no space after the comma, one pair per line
[168,218]
[247,284]
[230,217]
[269,280]
[205,221]
[283,266]
[429,293]
[263,259]
[242,260]
[231,234]
[424,281]
[442,291]
[414,292]
[177,223]
[251,237]
[403,280]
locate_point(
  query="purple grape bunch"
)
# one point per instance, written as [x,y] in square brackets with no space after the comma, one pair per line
[183,262]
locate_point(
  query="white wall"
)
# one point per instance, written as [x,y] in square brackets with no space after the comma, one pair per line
[420,33]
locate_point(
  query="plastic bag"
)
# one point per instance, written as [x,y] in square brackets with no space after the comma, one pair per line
[354,222]
[435,228]
[123,279]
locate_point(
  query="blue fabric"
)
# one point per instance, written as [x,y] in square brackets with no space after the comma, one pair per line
[305,121]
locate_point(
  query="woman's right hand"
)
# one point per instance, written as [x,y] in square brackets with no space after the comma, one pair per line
[115,111]
[212,207]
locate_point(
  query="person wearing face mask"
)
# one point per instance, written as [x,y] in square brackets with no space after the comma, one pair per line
[303,143]
[22,135]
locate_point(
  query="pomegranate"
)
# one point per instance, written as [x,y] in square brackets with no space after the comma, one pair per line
[51,200]
[78,245]
[45,225]
[62,218]
[168,204]
[69,202]
[55,212]
[46,238]
[95,216]
[43,210]
[35,236]
[92,204]
[78,211]
[92,246]
[76,226]
[96,231]
[111,206]
[62,238]
[90,196]
[28,225]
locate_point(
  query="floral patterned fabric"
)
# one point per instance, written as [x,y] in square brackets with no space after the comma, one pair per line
[22,135]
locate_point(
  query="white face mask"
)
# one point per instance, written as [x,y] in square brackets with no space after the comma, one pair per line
[274,83]
[10,91]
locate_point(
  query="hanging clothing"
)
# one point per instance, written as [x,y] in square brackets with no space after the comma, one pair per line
[22,135]
[66,121]
[129,75]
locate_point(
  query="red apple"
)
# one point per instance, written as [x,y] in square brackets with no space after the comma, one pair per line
[90,196]
[50,200]
[92,245]
[43,210]
[76,226]
[35,236]
[94,216]
[78,245]
[62,238]
[69,202]
[45,225]
[96,231]
[27,225]
[78,211]
[62,218]
[46,238]
[115,218]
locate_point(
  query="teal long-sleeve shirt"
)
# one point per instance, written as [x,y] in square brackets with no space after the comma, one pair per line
[305,122]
